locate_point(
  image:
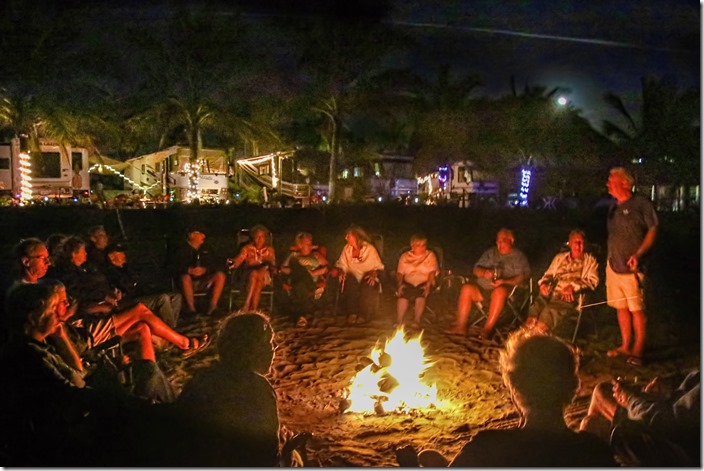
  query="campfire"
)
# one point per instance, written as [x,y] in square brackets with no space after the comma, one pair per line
[391,379]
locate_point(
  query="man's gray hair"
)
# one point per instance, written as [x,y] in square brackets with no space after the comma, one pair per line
[625,174]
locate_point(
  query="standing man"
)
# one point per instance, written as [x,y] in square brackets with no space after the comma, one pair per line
[632,225]
[196,269]
[498,270]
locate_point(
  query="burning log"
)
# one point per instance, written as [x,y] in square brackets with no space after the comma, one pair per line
[391,378]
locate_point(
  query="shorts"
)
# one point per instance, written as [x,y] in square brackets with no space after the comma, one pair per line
[411,292]
[200,284]
[624,290]
[100,329]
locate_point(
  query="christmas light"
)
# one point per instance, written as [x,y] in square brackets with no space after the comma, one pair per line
[525,186]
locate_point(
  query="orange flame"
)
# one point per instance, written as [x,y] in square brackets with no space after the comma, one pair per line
[394,380]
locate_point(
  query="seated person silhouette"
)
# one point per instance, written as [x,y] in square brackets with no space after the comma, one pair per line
[568,274]
[415,277]
[540,373]
[649,426]
[230,406]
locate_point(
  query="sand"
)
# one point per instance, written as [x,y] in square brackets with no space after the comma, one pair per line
[314,364]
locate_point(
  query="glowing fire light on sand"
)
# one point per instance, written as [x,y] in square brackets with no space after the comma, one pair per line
[393,381]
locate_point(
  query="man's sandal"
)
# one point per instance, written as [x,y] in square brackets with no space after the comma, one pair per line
[195,345]
[616,352]
[635,361]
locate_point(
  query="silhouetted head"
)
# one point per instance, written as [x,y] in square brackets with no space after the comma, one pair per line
[245,342]
[32,310]
[32,257]
[540,370]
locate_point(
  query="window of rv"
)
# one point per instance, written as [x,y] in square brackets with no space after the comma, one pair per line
[46,165]
[77,160]
[4,164]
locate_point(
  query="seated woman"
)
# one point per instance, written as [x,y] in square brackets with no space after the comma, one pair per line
[415,277]
[306,267]
[97,312]
[540,372]
[230,407]
[359,265]
[259,262]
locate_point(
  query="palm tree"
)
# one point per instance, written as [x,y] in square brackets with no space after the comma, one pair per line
[664,141]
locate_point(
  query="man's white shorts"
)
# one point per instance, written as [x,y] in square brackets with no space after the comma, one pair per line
[624,290]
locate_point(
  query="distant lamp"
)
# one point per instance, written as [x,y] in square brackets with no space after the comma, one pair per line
[561,100]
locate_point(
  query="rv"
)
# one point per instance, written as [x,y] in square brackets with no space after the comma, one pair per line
[58,172]
[170,172]
[461,181]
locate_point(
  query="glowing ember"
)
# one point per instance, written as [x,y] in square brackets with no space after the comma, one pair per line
[393,381]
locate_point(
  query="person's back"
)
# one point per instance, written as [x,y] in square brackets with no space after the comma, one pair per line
[229,406]
[534,448]
[236,417]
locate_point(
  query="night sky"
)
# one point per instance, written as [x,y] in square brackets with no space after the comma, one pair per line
[590,47]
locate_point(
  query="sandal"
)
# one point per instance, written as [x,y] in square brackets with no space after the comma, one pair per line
[195,345]
[415,326]
[635,361]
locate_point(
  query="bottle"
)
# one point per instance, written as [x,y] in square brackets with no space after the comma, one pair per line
[495,275]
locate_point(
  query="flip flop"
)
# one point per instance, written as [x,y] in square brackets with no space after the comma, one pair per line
[192,349]
[634,360]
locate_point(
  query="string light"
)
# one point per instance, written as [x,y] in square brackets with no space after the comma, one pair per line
[134,184]
[25,178]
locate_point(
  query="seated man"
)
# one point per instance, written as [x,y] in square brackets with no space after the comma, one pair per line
[167,306]
[655,426]
[98,240]
[568,274]
[306,267]
[196,269]
[259,263]
[415,277]
[497,271]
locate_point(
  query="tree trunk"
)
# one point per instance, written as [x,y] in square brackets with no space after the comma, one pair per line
[333,158]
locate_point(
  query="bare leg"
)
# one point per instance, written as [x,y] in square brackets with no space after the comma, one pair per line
[140,333]
[401,307]
[640,321]
[602,409]
[625,325]
[468,294]
[218,283]
[419,309]
[125,320]
[498,300]
[187,288]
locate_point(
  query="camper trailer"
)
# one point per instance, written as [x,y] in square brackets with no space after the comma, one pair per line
[460,181]
[170,172]
[58,172]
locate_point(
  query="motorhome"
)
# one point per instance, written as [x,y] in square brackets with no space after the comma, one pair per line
[57,172]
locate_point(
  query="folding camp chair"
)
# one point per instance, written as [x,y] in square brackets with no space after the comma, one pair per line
[238,283]
[517,302]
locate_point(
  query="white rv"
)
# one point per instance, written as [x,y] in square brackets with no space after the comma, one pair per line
[57,172]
